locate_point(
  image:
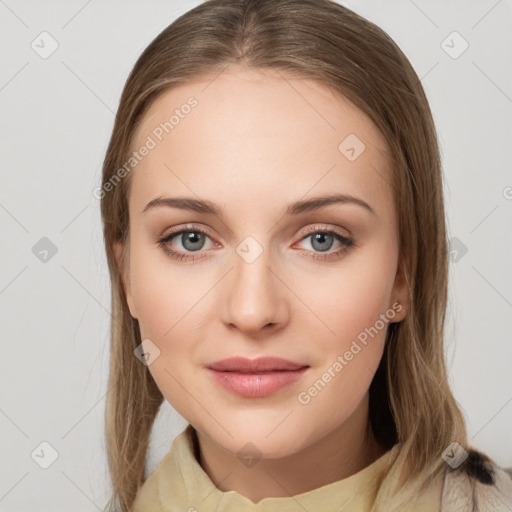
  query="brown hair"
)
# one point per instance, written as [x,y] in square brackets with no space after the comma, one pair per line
[410,399]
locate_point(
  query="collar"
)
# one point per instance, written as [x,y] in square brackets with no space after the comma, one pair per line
[180,483]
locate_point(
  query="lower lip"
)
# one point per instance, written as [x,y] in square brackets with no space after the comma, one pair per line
[257,385]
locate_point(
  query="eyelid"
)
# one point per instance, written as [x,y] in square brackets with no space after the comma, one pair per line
[325,227]
[187,227]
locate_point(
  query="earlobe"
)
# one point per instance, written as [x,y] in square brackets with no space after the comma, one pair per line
[400,303]
[125,276]
[401,311]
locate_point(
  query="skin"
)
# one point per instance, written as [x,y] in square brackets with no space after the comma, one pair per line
[254,144]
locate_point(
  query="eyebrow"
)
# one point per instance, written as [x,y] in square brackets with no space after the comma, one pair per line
[207,207]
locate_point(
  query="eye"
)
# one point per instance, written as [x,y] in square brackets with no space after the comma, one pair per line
[322,239]
[192,239]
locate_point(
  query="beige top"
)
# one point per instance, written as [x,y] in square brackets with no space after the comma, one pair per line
[179,483]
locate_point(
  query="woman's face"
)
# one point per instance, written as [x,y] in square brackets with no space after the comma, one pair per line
[262,278]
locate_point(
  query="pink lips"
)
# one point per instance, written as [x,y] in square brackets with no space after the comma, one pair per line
[256,378]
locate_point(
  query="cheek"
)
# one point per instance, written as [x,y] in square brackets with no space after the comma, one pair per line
[348,301]
[170,306]
[164,296]
[356,309]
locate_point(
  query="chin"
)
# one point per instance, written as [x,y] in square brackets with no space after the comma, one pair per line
[261,438]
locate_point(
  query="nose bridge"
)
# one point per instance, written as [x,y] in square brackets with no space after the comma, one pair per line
[255,298]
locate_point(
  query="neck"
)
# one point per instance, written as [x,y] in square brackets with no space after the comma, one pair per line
[341,453]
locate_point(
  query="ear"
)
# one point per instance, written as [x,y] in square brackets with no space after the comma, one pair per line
[125,276]
[400,295]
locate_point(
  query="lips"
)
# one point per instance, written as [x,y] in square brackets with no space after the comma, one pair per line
[259,365]
[257,378]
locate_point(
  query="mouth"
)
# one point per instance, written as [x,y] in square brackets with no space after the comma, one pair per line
[259,365]
[256,378]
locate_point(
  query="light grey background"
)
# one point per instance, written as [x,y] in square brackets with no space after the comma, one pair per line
[56,118]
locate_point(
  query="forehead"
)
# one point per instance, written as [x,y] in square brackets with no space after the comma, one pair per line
[255,133]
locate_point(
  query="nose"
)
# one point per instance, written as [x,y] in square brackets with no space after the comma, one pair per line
[255,299]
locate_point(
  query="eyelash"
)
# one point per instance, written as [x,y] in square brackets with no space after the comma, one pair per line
[180,256]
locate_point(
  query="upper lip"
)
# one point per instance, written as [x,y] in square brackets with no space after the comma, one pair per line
[261,364]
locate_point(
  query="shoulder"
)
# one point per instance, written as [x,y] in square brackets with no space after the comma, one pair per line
[462,493]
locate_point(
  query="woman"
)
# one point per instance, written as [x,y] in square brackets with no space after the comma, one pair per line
[274,227]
